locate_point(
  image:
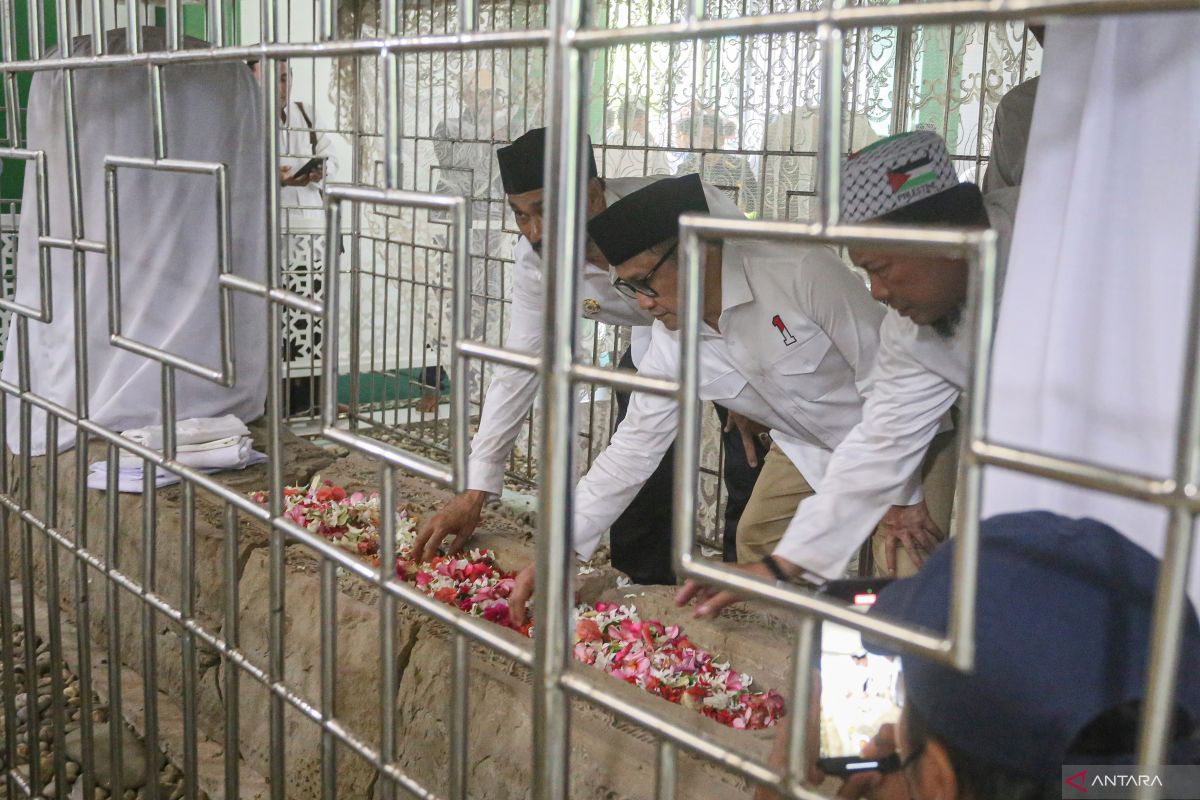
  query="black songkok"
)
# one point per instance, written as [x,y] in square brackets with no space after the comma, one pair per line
[646,217]
[522,162]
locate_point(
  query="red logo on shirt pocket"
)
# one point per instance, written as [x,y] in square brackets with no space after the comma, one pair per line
[788,338]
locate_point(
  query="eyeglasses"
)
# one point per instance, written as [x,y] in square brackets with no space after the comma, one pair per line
[912,757]
[632,288]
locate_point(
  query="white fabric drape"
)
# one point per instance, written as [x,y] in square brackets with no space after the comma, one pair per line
[168,257]
[1090,343]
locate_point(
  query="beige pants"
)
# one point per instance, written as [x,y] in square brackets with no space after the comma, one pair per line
[781,488]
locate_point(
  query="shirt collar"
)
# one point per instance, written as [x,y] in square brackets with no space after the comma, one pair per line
[735,288]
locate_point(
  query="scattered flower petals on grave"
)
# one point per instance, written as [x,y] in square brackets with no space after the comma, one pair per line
[656,657]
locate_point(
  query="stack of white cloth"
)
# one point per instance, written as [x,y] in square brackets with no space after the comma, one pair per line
[207,444]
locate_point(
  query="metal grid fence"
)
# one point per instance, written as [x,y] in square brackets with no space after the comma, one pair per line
[389,44]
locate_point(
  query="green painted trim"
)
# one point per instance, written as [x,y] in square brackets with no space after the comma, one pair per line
[13,179]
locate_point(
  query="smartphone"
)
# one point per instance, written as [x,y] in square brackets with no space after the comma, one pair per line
[845,766]
[860,691]
[859,592]
[309,166]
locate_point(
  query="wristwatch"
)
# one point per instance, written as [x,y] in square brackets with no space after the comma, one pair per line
[781,577]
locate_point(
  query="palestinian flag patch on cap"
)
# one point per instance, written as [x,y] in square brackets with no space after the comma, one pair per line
[894,172]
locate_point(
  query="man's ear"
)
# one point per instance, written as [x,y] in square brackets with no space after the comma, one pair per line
[933,773]
[595,197]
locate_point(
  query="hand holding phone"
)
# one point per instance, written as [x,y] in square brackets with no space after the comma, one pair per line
[880,781]
[308,167]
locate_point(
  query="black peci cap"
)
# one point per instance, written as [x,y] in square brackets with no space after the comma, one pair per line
[646,217]
[522,162]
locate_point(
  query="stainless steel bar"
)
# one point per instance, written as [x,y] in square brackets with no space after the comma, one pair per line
[149,627]
[328,658]
[164,165]
[394,197]
[99,46]
[830,149]
[269,69]
[67,244]
[1160,491]
[390,64]
[29,620]
[667,771]
[133,27]
[232,635]
[565,107]
[35,18]
[687,440]
[57,710]
[174,24]
[187,610]
[506,39]
[468,16]
[805,659]
[409,462]
[460,677]
[387,624]
[285,297]
[981,309]
[498,355]
[112,608]
[946,12]
[930,241]
[79,283]
[328,312]
[169,359]
[64,30]
[1171,605]
[460,367]
[215,15]
[7,623]
[83,617]
[624,379]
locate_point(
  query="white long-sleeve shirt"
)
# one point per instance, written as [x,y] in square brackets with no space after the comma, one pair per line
[798,336]
[304,205]
[512,391]
[918,376]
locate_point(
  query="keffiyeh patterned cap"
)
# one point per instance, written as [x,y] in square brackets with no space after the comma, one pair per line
[893,173]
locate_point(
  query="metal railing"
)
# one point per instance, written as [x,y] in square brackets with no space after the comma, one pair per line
[569,43]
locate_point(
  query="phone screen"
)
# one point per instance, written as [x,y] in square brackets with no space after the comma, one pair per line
[860,691]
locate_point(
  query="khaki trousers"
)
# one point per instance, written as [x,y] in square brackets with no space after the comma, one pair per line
[781,489]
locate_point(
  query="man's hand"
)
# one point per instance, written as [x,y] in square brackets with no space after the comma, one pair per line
[751,432]
[912,528]
[710,601]
[285,177]
[458,518]
[875,785]
[518,598]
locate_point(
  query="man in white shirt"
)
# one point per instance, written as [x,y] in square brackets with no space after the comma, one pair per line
[638,549]
[789,339]
[923,361]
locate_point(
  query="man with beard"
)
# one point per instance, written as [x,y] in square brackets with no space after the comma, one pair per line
[923,360]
